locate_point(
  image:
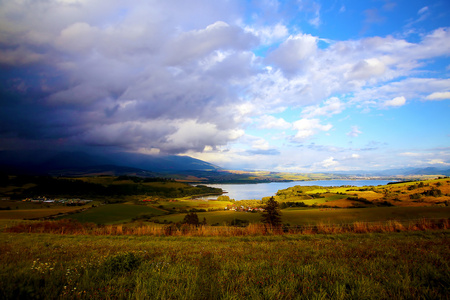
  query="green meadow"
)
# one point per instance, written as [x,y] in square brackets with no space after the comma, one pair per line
[115,213]
[308,216]
[406,265]
[387,242]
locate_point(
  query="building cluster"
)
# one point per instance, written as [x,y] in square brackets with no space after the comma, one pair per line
[72,201]
[243,208]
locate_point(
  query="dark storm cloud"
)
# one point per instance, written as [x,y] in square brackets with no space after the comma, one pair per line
[135,76]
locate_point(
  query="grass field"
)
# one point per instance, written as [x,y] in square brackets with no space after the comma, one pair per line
[350,215]
[115,213]
[169,210]
[39,212]
[216,217]
[128,259]
[188,204]
[412,265]
[405,194]
[302,216]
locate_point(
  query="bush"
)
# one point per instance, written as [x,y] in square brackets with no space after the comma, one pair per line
[271,214]
[433,192]
[191,219]
[121,263]
[63,226]
[385,203]
[415,196]
[240,223]
[362,200]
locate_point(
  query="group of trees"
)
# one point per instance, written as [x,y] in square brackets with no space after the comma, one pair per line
[32,186]
[192,219]
[271,216]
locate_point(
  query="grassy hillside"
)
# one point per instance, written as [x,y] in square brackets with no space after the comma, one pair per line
[116,213]
[102,187]
[417,193]
[296,216]
[411,265]
[301,205]
[140,253]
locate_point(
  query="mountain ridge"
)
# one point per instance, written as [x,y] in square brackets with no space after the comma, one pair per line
[71,162]
[79,163]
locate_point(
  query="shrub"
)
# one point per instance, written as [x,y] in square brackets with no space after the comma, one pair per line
[433,192]
[63,226]
[415,196]
[239,223]
[121,263]
[191,219]
[386,203]
[271,214]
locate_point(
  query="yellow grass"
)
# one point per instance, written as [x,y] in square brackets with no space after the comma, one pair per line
[22,214]
[251,230]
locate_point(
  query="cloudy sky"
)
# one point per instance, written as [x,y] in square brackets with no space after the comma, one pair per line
[274,85]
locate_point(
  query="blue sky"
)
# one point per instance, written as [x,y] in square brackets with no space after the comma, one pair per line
[300,86]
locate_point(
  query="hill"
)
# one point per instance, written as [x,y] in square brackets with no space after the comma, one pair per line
[82,163]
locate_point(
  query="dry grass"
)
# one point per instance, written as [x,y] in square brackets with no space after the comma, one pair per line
[73,227]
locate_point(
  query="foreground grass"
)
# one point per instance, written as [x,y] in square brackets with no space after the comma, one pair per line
[407,265]
[114,213]
[303,216]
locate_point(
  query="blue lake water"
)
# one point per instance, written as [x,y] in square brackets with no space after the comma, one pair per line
[260,190]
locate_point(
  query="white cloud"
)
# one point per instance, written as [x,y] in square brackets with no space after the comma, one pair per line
[260,144]
[270,122]
[397,101]
[330,107]
[293,54]
[411,154]
[269,34]
[438,162]
[368,68]
[329,162]
[438,96]
[410,88]
[308,127]
[183,77]
[196,44]
[422,10]
[193,135]
[354,132]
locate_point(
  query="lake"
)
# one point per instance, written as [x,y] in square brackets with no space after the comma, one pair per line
[260,190]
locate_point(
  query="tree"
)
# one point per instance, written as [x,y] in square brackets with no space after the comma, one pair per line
[271,214]
[191,219]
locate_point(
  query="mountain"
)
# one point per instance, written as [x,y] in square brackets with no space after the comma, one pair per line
[111,170]
[399,172]
[429,171]
[159,163]
[73,163]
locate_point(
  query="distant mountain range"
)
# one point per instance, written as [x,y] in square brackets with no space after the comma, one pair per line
[400,172]
[81,163]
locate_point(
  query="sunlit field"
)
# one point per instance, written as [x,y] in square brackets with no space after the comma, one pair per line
[409,265]
[340,243]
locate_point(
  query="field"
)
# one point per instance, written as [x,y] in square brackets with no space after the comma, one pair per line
[407,194]
[411,265]
[20,210]
[115,213]
[319,205]
[302,216]
[385,242]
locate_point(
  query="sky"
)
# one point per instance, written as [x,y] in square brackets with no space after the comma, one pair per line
[285,86]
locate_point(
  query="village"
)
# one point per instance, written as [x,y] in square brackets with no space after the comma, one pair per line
[244,208]
[65,201]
